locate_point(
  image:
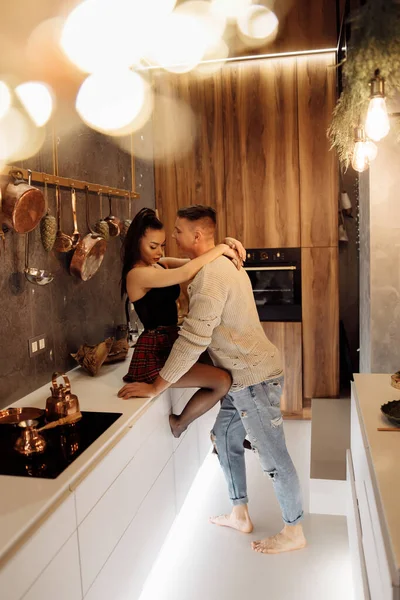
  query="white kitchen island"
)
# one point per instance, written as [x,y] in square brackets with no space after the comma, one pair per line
[94,532]
[373,473]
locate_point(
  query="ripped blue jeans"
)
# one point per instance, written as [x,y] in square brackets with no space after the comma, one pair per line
[255,411]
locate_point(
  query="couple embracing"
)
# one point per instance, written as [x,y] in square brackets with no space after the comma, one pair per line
[247,375]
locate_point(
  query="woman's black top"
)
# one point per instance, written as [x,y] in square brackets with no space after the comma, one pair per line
[158,307]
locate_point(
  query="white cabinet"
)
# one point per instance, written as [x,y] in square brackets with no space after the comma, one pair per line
[128,566]
[103,527]
[360,580]
[371,576]
[186,465]
[104,537]
[24,567]
[204,427]
[95,484]
[61,579]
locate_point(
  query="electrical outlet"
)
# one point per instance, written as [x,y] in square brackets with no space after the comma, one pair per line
[36,345]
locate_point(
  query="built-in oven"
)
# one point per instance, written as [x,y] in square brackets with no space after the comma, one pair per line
[275,275]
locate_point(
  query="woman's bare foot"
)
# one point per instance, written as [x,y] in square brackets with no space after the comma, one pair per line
[239,519]
[175,425]
[290,538]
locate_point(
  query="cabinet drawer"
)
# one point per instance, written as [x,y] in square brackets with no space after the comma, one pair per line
[62,577]
[105,524]
[127,568]
[24,567]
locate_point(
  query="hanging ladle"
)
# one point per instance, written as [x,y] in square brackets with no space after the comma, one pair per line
[64,242]
[32,274]
[114,224]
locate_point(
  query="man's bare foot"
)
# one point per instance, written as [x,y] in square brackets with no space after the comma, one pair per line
[239,519]
[290,538]
[176,427]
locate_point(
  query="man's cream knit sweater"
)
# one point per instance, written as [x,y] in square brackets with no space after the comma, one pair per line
[223,318]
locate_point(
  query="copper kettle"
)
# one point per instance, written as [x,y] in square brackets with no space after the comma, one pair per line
[62,403]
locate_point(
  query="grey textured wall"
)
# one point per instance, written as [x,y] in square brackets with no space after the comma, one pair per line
[380,262]
[68,311]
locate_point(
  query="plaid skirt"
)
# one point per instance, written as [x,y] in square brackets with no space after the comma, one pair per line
[150,355]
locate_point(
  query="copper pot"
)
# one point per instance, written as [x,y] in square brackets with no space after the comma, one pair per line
[89,253]
[30,442]
[62,403]
[22,205]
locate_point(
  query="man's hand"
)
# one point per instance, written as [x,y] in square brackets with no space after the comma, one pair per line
[137,390]
[236,245]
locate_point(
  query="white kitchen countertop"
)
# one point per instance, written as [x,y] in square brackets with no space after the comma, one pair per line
[383,453]
[24,500]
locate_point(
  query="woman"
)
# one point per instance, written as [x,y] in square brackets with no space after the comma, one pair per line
[151,282]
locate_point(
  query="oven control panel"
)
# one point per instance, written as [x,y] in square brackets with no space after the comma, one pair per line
[266,256]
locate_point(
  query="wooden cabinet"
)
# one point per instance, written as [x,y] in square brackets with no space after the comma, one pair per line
[320,308]
[188,147]
[287,338]
[261,153]
[316,77]
[262,158]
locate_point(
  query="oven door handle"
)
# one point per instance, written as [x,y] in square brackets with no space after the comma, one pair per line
[291,268]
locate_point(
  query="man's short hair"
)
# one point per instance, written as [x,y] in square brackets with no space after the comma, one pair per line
[198,212]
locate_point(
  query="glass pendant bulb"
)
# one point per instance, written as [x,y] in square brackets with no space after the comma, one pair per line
[377,124]
[360,161]
[371,149]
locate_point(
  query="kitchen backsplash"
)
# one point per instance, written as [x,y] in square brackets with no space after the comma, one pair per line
[67,311]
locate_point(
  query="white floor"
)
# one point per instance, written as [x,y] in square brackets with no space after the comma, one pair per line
[202,561]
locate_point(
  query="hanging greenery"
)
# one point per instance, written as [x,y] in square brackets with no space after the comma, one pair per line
[374,44]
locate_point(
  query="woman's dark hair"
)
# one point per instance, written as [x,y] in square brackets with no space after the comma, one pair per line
[130,251]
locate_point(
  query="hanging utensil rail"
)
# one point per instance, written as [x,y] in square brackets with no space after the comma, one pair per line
[68,182]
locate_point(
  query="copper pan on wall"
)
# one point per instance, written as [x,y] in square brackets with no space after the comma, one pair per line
[22,205]
[90,251]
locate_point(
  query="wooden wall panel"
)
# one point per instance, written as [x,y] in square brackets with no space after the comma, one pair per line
[261,152]
[309,25]
[318,165]
[287,338]
[320,300]
[197,176]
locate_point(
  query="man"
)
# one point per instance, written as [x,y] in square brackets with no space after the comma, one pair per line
[223,318]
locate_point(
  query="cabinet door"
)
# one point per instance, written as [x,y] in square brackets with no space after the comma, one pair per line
[360,580]
[316,78]
[61,579]
[186,465]
[128,566]
[261,153]
[188,147]
[320,307]
[287,338]
[105,524]
[24,567]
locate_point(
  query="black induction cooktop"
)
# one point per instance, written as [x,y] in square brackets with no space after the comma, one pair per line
[64,445]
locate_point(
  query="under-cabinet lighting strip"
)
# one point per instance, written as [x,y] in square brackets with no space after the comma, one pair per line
[247,57]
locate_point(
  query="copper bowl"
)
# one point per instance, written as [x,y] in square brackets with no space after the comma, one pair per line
[13,416]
